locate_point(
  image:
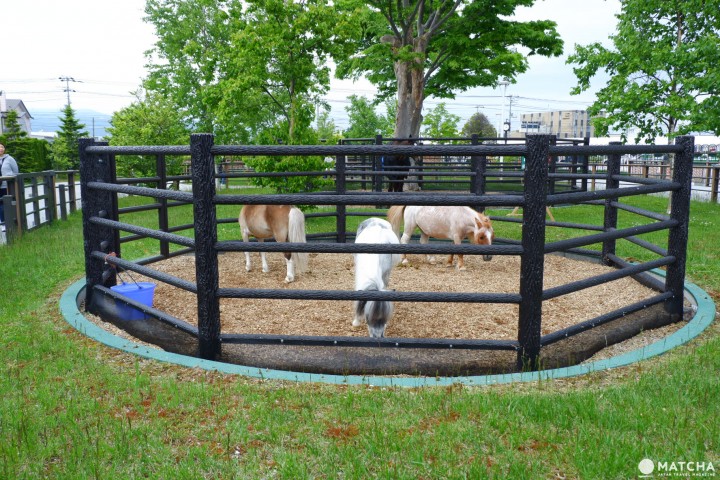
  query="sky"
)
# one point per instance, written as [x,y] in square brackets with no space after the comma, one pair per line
[94,52]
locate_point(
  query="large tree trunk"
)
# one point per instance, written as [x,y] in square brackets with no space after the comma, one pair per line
[411,93]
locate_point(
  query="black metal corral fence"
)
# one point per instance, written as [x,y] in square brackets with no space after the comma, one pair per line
[100,189]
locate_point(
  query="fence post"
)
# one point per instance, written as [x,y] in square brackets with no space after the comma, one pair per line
[206,261]
[533,257]
[11,225]
[377,167]
[340,189]
[49,190]
[96,203]
[708,173]
[678,235]
[552,166]
[71,190]
[163,222]
[611,213]
[585,166]
[63,204]
[715,184]
[478,167]
[17,191]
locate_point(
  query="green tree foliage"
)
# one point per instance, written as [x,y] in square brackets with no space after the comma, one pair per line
[365,121]
[279,69]
[65,150]
[151,120]
[190,56]
[420,48]
[34,154]
[664,69]
[13,140]
[480,125]
[439,123]
[249,71]
[31,154]
[326,129]
[13,130]
[237,68]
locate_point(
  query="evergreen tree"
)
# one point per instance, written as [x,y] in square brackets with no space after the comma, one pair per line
[65,150]
[30,153]
[13,130]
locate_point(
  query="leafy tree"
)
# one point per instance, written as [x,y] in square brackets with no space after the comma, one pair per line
[281,52]
[238,67]
[480,125]
[65,149]
[250,71]
[664,69]
[326,129]
[152,120]
[190,56]
[440,123]
[365,122]
[420,48]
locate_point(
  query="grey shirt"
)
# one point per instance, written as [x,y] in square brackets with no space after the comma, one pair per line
[8,168]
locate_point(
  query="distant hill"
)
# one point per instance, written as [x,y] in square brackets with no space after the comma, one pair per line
[49,121]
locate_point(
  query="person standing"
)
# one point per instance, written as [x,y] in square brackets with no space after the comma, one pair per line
[8,168]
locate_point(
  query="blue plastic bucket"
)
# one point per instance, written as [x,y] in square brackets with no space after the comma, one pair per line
[141,292]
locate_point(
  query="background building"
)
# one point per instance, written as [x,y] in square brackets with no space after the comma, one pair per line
[563,123]
[7,105]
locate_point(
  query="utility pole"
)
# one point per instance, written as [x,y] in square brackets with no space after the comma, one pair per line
[503,83]
[67,90]
[510,104]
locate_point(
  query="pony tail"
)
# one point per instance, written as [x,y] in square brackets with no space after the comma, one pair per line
[395,215]
[296,234]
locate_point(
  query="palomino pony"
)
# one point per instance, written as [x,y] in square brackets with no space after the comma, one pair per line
[372,272]
[454,223]
[397,163]
[284,222]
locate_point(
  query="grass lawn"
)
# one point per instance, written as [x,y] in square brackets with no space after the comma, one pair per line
[74,409]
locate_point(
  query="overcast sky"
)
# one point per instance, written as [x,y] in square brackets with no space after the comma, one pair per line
[100,45]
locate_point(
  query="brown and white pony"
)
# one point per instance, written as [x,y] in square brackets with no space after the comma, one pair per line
[454,223]
[285,223]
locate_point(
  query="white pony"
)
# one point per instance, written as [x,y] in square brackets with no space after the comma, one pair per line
[454,223]
[372,272]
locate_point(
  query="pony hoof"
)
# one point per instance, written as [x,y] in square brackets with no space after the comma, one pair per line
[405,261]
[461,269]
[448,265]
[289,280]
[356,323]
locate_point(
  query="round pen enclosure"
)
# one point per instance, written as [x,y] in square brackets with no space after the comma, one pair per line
[552,294]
